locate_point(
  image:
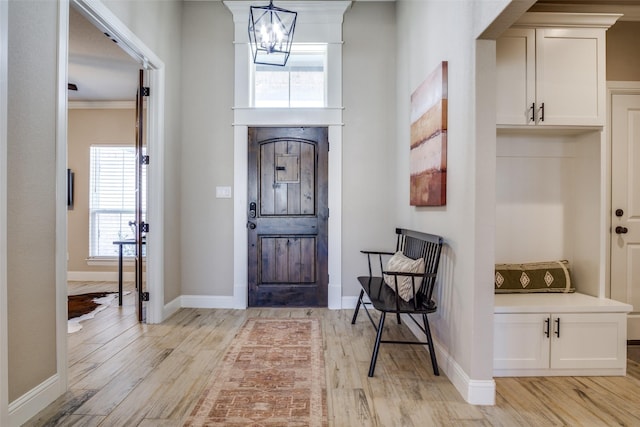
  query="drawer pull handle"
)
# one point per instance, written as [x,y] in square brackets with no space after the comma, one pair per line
[533,112]
[546,327]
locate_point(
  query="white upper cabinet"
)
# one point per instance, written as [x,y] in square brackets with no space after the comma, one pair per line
[516,77]
[550,70]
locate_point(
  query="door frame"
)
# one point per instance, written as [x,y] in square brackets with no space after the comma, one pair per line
[613,88]
[332,119]
[4,348]
[318,137]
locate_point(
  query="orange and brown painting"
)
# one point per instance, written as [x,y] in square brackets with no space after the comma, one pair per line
[428,156]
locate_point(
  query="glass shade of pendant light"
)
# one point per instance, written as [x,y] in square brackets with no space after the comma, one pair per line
[271,34]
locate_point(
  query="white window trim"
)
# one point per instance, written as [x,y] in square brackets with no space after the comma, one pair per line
[110,261]
[318,22]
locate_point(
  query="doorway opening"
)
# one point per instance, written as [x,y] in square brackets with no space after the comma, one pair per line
[106,22]
[101,167]
[101,17]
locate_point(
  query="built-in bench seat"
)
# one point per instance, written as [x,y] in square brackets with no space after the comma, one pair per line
[559,334]
[553,302]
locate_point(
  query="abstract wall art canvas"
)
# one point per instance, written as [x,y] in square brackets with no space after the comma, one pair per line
[428,155]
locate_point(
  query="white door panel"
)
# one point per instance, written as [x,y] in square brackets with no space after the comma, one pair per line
[625,202]
[588,341]
[521,341]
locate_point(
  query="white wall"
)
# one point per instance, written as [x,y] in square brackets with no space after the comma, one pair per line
[430,32]
[31,200]
[369,169]
[623,61]
[207,149]
[548,202]
[158,24]
[88,127]
[4,399]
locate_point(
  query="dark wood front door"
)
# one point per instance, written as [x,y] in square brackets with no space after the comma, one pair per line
[287,217]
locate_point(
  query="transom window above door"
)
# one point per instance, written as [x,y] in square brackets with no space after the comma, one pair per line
[302,83]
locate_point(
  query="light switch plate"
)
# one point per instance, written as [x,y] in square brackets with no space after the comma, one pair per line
[223,192]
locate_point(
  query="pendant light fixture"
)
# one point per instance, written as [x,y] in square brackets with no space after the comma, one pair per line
[271,34]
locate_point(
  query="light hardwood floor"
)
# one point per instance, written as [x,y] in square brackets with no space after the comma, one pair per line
[122,373]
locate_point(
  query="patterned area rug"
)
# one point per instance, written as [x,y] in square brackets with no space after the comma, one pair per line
[272,375]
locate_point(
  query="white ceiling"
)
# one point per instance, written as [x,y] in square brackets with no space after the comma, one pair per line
[97,65]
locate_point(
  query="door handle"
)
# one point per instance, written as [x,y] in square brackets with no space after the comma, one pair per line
[621,230]
[557,331]
[251,225]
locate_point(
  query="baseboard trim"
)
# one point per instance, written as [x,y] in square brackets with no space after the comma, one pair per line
[215,301]
[207,301]
[475,392]
[171,308]
[349,302]
[334,296]
[35,400]
[99,276]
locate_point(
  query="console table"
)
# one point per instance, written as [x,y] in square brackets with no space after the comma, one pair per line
[120,244]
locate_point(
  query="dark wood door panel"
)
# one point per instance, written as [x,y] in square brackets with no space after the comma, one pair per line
[287,178]
[287,181]
[287,260]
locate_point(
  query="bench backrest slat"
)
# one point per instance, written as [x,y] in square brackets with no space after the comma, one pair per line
[414,244]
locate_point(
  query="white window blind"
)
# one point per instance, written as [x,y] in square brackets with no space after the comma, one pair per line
[112,199]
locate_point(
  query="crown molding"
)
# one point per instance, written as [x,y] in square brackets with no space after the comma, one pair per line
[552,19]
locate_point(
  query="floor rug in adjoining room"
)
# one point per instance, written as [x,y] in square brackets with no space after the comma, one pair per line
[272,375]
[85,306]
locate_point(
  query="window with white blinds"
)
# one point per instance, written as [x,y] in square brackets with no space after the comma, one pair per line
[112,199]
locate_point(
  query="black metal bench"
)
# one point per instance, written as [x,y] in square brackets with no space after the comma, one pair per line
[386,297]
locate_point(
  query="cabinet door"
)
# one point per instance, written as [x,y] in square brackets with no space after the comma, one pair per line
[515,77]
[520,341]
[589,340]
[570,67]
